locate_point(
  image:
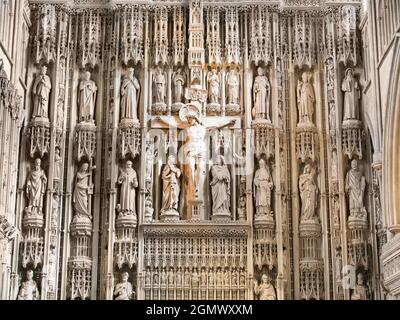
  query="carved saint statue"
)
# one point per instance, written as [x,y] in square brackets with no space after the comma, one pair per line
[351,90]
[355,188]
[159,82]
[87,98]
[220,187]
[263,185]
[36,188]
[361,290]
[232,82]
[29,289]
[179,83]
[130,90]
[171,185]
[41,94]
[213,80]
[305,100]
[128,181]
[83,188]
[265,290]
[123,290]
[308,194]
[261,95]
[57,164]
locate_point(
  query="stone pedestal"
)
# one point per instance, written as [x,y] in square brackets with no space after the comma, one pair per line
[232,109]
[221,216]
[213,109]
[159,108]
[176,107]
[169,215]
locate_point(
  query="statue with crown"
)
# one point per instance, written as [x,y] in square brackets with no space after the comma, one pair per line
[194,148]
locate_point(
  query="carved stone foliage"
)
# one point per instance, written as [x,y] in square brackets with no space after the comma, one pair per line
[131,40]
[44,44]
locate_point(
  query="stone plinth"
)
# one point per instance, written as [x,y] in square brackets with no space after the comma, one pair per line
[221,216]
[169,215]
[213,109]
[159,108]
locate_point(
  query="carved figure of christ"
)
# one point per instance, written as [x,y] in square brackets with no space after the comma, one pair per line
[195,146]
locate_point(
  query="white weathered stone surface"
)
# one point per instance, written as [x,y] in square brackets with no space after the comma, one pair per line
[247,141]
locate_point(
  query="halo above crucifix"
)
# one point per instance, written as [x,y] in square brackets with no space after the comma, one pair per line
[191,110]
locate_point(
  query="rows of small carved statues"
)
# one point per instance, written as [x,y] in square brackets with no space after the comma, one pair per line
[192,284]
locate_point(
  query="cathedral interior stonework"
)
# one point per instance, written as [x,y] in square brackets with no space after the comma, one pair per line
[199,150]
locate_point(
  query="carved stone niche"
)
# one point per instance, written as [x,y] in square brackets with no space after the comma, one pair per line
[126,243]
[159,92]
[86,140]
[38,136]
[214,92]
[264,247]
[307,143]
[79,278]
[264,138]
[352,136]
[129,138]
[32,245]
[358,243]
[44,44]
[311,264]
